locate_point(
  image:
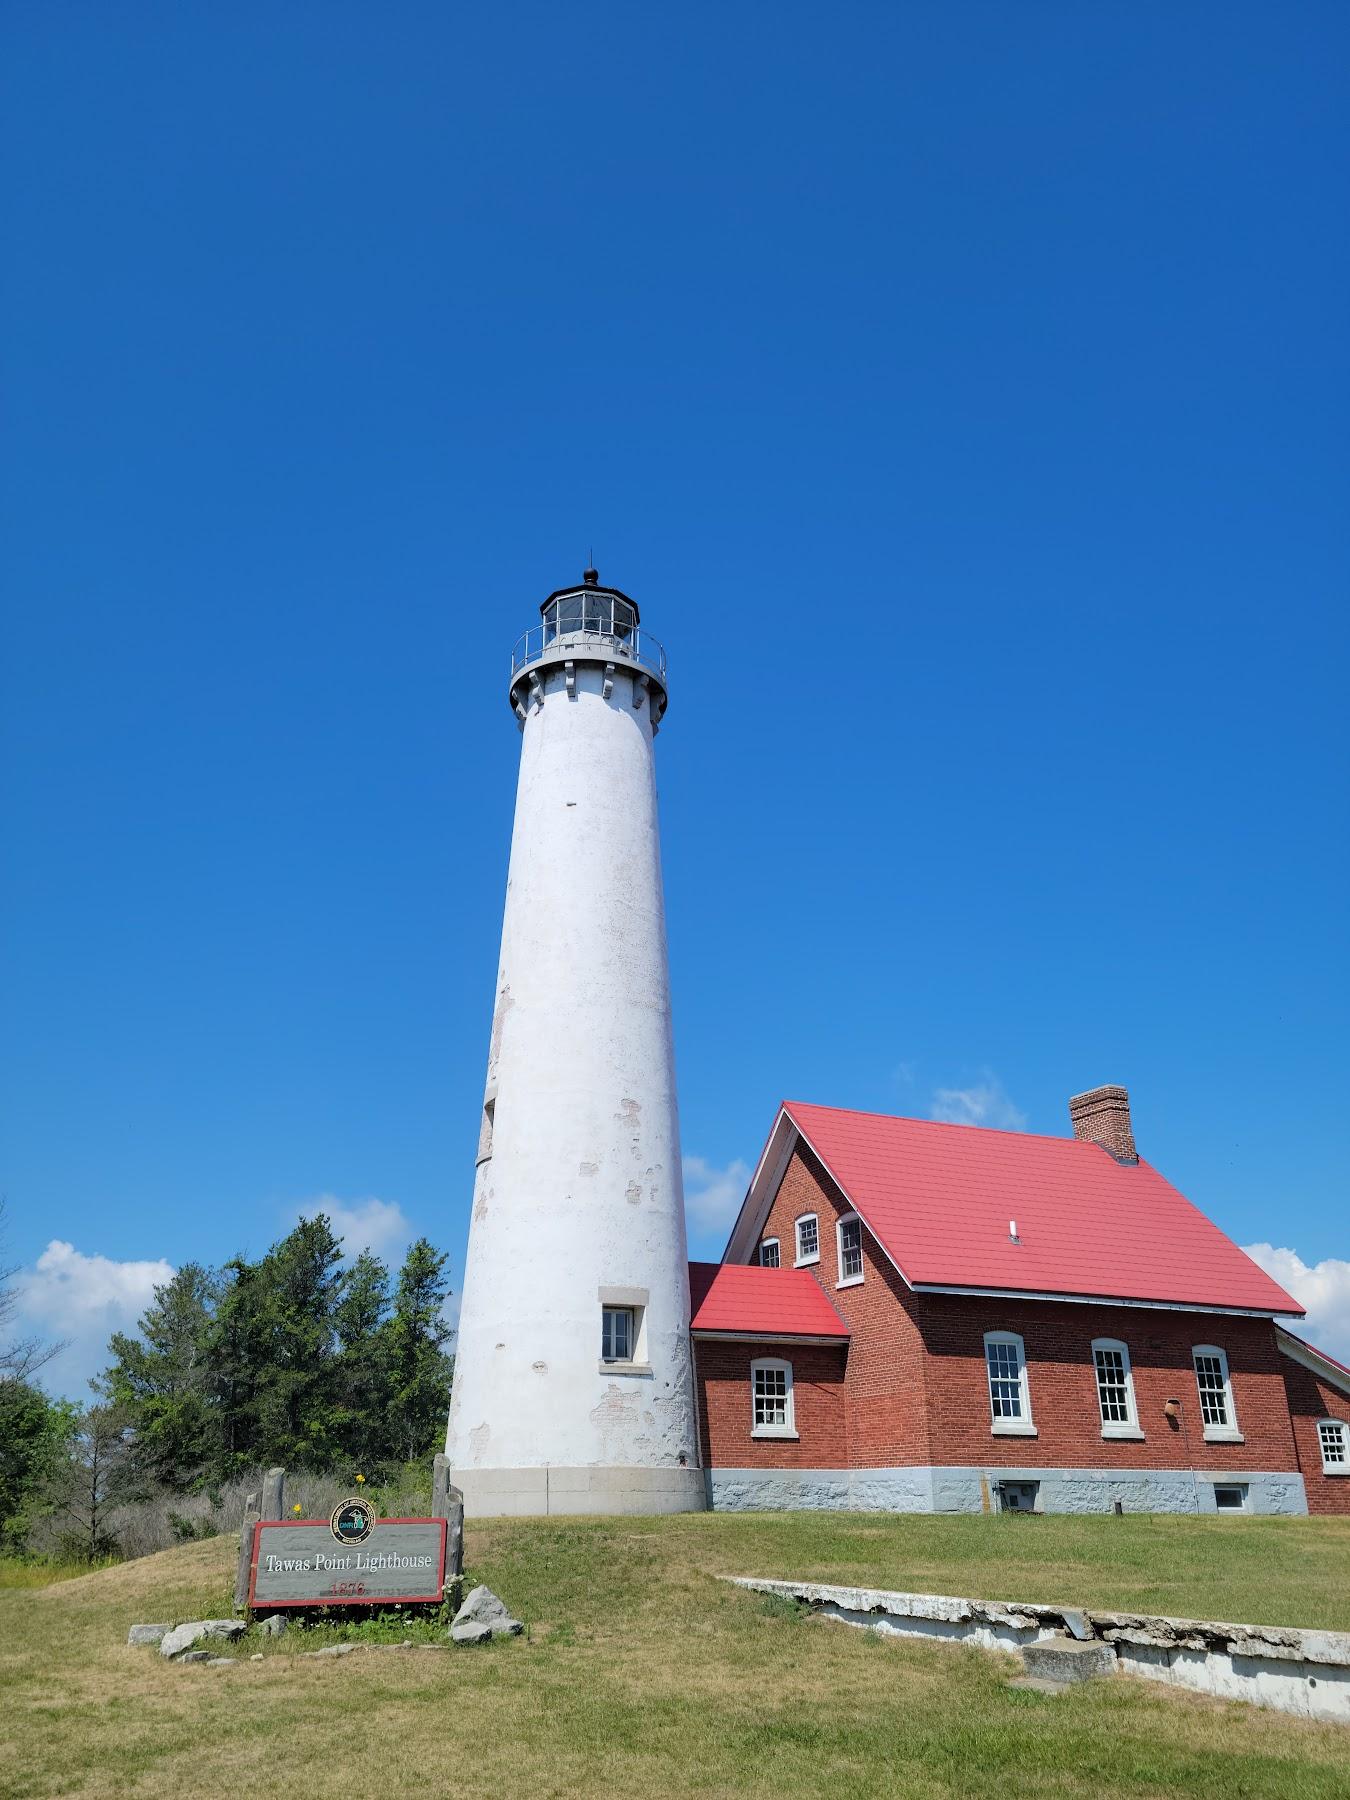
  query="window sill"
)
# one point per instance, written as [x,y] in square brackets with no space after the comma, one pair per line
[1340,1469]
[850,1281]
[1132,1432]
[1223,1434]
[1013,1428]
[805,1262]
[780,1432]
[624,1368]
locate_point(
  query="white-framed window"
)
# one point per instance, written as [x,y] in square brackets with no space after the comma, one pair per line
[1005,1360]
[1115,1388]
[1230,1496]
[848,1239]
[1218,1417]
[771,1408]
[808,1239]
[1333,1437]
[770,1256]
[617,1336]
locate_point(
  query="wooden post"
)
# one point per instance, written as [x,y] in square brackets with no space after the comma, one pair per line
[245,1562]
[274,1494]
[448,1503]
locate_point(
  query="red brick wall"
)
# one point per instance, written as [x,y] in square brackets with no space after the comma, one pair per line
[1311,1399]
[722,1375]
[915,1389]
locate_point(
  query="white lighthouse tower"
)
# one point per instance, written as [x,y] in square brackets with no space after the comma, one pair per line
[573,1386]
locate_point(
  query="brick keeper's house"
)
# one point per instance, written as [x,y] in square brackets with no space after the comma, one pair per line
[920,1317]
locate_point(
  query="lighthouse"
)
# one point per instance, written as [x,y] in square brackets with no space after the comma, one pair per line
[573,1388]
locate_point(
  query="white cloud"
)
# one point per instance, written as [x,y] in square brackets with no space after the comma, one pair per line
[1323,1288]
[82,1300]
[712,1196]
[376,1225]
[985,1103]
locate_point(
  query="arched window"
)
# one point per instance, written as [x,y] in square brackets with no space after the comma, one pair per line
[770,1255]
[1218,1415]
[808,1239]
[771,1408]
[848,1245]
[1005,1360]
[1115,1388]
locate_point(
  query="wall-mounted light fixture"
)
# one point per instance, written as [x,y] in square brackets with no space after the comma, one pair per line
[1172,1410]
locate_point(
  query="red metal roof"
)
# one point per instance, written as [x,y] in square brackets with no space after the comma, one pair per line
[767,1302]
[938,1198]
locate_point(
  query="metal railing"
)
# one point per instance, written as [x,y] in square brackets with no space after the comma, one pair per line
[593,636]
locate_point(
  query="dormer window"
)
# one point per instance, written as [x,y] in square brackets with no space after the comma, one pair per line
[770,1256]
[808,1239]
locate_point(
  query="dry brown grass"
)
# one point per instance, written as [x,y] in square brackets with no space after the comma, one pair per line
[641,1673]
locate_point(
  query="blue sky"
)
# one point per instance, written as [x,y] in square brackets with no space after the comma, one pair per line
[961,390]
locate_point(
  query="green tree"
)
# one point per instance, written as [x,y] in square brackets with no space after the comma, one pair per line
[362,1374]
[95,1476]
[162,1381]
[420,1369]
[33,1432]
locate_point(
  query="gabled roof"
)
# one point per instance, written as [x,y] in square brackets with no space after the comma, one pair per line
[743,1299]
[1321,1362]
[938,1199]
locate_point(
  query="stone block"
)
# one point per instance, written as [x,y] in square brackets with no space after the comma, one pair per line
[148,1634]
[1065,1659]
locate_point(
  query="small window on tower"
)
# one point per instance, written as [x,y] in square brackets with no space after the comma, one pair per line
[769,1256]
[616,1334]
[485,1129]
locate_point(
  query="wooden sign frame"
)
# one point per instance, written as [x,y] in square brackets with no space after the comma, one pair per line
[358,1599]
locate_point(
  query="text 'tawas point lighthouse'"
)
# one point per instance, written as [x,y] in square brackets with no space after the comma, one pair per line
[573,1386]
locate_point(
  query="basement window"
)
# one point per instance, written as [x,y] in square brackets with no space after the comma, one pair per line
[770,1257]
[1230,1496]
[772,1411]
[808,1239]
[1333,1435]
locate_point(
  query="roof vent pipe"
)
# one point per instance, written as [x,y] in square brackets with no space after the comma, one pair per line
[1012,1231]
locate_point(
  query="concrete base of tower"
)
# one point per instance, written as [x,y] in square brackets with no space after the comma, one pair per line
[540,1493]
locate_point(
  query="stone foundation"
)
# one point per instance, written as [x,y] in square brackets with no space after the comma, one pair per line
[925,1488]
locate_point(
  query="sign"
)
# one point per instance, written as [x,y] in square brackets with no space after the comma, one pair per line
[323,1562]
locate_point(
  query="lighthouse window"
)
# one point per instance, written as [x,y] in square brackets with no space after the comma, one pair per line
[769,1256]
[616,1336]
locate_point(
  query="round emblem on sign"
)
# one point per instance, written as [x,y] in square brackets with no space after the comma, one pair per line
[352,1521]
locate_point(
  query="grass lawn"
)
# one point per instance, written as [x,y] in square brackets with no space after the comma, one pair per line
[641,1673]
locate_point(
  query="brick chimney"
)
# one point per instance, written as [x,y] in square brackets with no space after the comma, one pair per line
[1102,1116]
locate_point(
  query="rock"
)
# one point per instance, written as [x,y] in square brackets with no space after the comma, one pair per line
[202,1656]
[333,1650]
[183,1637]
[221,1662]
[273,1625]
[1063,1660]
[473,1631]
[148,1634]
[257,1656]
[482,1607]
